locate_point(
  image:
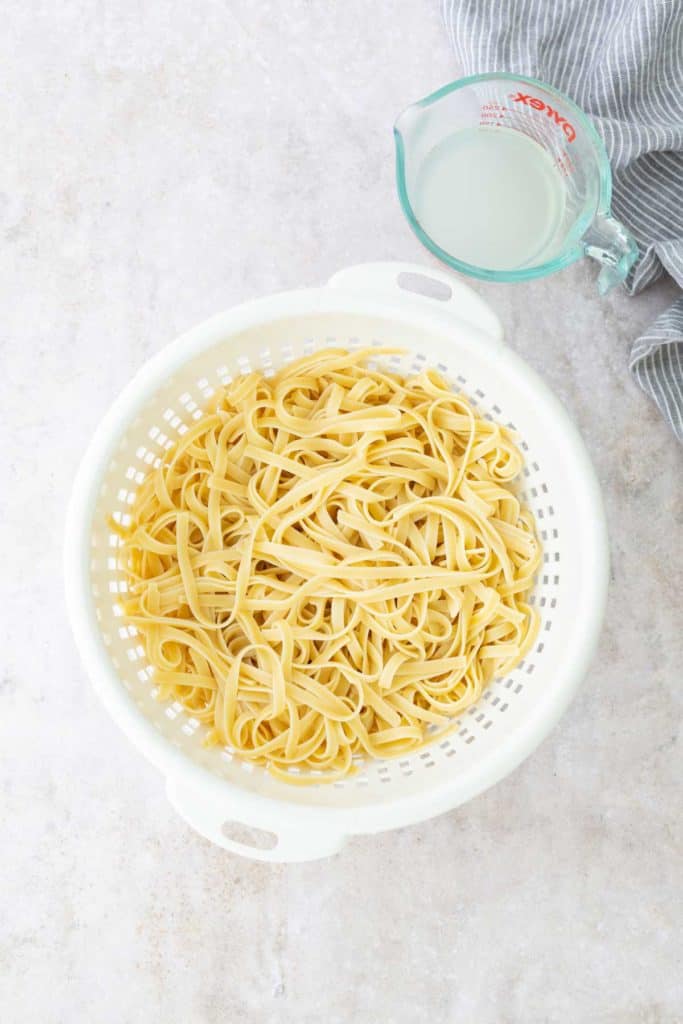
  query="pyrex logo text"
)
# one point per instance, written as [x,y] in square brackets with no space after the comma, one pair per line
[533,101]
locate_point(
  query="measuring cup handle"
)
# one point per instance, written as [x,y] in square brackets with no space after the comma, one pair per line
[425,284]
[608,242]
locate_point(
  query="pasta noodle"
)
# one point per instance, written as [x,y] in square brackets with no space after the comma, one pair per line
[331,564]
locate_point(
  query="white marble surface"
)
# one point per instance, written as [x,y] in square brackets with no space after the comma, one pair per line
[166,160]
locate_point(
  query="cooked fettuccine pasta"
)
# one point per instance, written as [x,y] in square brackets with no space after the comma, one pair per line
[331,564]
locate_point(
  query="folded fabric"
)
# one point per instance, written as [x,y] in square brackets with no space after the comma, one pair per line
[622,62]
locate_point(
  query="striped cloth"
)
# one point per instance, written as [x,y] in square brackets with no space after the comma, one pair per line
[622,62]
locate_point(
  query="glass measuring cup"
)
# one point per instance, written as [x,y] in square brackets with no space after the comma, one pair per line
[560,160]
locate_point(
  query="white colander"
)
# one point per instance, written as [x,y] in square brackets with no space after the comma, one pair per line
[441,323]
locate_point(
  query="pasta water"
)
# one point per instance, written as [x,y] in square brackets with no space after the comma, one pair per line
[491,197]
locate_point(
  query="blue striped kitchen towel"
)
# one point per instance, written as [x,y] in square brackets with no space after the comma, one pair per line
[622,62]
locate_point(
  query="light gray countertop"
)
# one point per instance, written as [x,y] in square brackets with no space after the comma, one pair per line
[163,161]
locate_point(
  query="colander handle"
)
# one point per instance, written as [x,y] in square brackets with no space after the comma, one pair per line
[435,287]
[210,818]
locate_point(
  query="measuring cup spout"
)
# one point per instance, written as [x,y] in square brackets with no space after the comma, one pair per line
[405,126]
[608,242]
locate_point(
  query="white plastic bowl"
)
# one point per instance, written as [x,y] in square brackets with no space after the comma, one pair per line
[445,325]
